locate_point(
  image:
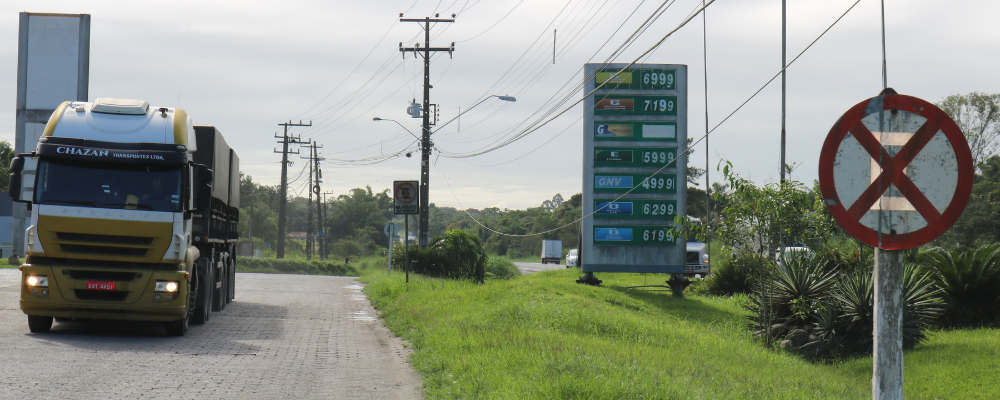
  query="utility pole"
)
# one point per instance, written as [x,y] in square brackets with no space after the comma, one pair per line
[283,193]
[325,210]
[313,188]
[425,141]
[320,234]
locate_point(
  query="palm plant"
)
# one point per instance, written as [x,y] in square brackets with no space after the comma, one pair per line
[848,323]
[798,288]
[969,282]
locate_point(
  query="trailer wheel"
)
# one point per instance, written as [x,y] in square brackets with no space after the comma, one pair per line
[221,291]
[232,279]
[39,324]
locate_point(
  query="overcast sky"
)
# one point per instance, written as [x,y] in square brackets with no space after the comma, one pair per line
[246,66]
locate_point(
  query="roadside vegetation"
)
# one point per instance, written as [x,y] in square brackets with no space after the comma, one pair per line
[765,324]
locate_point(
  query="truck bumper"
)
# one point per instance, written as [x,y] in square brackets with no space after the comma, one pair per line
[68,295]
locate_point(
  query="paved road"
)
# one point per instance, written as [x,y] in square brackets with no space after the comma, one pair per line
[285,336]
[530,267]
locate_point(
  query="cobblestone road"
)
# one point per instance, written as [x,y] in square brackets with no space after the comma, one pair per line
[285,336]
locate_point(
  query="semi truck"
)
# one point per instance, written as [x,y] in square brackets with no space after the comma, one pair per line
[134,214]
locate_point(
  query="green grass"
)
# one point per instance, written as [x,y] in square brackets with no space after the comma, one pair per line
[544,336]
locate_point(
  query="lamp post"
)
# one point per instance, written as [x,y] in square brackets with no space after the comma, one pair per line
[423,236]
[504,98]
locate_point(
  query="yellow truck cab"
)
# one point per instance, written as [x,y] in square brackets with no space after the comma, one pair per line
[127,220]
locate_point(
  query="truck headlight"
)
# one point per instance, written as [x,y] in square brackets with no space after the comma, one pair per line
[166,286]
[37,281]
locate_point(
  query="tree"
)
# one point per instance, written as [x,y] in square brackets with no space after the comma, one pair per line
[6,154]
[978,116]
[763,218]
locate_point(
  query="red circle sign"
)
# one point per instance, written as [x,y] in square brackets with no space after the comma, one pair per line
[895,172]
[406,193]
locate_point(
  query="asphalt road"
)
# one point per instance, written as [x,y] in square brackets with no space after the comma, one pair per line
[285,336]
[530,267]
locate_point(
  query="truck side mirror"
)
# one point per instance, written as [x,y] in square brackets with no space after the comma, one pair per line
[203,196]
[205,174]
[17,178]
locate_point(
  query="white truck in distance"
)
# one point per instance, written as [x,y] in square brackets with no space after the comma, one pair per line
[551,251]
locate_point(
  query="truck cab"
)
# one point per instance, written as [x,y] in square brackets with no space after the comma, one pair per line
[115,195]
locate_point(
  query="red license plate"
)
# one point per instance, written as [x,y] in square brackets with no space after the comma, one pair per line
[100,285]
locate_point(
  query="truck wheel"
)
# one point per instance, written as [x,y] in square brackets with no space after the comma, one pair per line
[232,280]
[203,312]
[219,293]
[39,324]
[179,327]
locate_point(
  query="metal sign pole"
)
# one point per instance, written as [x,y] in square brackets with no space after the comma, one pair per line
[388,267]
[406,246]
[887,375]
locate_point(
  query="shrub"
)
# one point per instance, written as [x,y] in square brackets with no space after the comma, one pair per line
[738,274]
[458,255]
[836,309]
[294,266]
[500,268]
[970,285]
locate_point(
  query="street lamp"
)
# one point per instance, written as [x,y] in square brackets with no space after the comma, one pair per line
[504,98]
[397,123]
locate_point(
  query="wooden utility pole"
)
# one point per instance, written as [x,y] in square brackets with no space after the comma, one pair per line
[283,193]
[425,141]
[313,188]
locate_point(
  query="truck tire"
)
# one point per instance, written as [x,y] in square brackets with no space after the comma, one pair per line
[232,280]
[203,310]
[221,289]
[180,327]
[39,324]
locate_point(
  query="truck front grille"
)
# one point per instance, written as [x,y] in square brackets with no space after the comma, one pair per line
[103,275]
[84,294]
[104,239]
[88,249]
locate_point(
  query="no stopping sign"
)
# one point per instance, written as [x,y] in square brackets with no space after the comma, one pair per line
[895,171]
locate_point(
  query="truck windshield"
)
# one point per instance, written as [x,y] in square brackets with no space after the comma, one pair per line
[107,185]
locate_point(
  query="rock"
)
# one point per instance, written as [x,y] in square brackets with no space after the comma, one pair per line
[785,345]
[813,348]
[798,337]
[779,330]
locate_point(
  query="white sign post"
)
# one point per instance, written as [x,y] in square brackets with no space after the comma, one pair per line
[406,201]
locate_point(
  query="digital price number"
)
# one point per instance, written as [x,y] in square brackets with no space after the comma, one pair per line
[662,105]
[658,183]
[657,235]
[661,156]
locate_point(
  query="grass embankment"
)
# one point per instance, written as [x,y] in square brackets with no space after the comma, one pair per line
[544,336]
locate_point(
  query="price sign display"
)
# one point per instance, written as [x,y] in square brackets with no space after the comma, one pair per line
[635,131]
[643,183]
[637,79]
[636,105]
[633,167]
[643,156]
[635,209]
[634,235]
